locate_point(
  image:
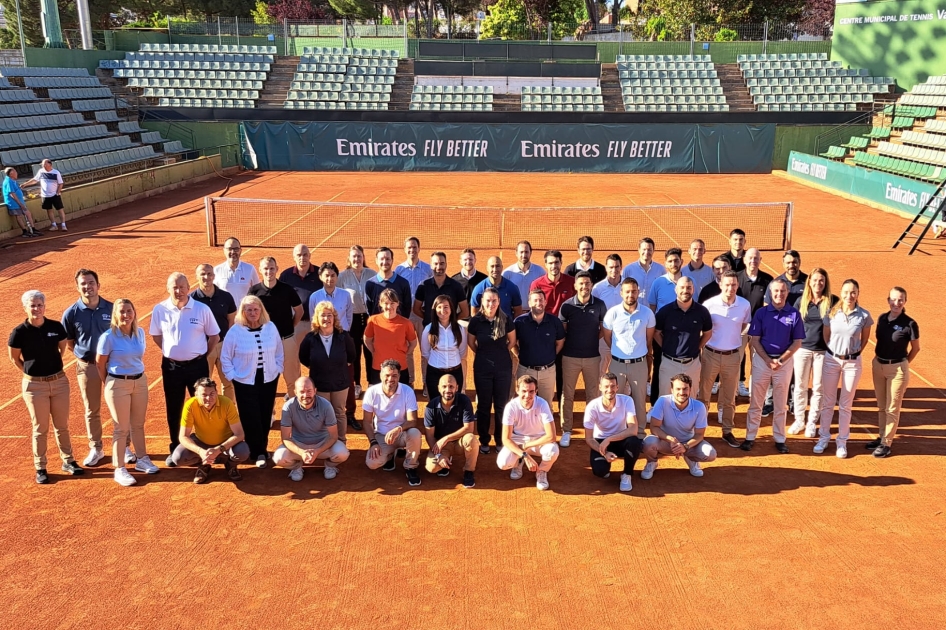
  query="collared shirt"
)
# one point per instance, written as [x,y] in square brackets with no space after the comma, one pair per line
[629,330]
[894,336]
[582,327]
[608,293]
[309,426]
[662,292]
[754,290]
[814,325]
[340,299]
[305,286]
[523,279]
[448,353]
[222,305]
[469,283]
[414,275]
[85,325]
[735,264]
[392,338]
[701,277]
[795,288]
[376,285]
[445,422]
[428,291]
[509,296]
[555,293]
[645,279]
[846,330]
[537,339]
[125,353]
[682,329]
[210,427]
[729,320]
[280,301]
[39,346]
[606,423]
[236,282]
[712,290]
[389,411]
[358,288]
[11,191]
[491,354]
[777,329]
[597,271]
[527,424]
[183,331]
[49,182]
[680,423]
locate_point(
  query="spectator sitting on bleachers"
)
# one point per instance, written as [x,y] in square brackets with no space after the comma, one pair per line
[16,205]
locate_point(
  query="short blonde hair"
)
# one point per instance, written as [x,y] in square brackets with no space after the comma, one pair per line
[251,299]
[320,308]
[116,316]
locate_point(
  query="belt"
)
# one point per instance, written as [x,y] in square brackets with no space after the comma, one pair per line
[127,377]
[890,361]
[289,336]
[845,357]
[681,360]
[46,379]
[723,352]
[539,368]
[619,360]
[177,364]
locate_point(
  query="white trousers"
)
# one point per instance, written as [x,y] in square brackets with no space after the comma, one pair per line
[846,374]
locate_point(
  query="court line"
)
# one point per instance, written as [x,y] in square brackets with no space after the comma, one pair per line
[657,225]
[284,228]
[352,218]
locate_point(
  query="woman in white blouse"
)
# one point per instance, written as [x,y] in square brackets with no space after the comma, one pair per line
[252,358]
[354,279]
[443,344]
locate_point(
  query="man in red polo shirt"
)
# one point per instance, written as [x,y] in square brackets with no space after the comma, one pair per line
[557,288]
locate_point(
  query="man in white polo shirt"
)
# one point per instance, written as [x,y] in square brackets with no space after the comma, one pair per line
[528,431]
[611,431]
[722,356]
[233,276]
[628,330]
[185,330]
[50,189]
[391,423]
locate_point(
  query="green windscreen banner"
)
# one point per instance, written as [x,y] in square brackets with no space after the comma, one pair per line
[893,191]
[577,148]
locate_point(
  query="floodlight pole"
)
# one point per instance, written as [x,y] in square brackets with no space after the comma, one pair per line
[19,24]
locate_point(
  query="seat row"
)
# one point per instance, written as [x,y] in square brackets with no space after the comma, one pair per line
[61,82]
[870,82]
[174,146]
[807,107]
[900,166]
[211,57]
[212,84]
[97,104]
[812,72]
[936,89]
[319,105]
[214,48]
[935,126]
[16,96]
[352,52]
[222,75]
[452,107]
[102,160]
[924,100]
[130,126]
[250,95]
[72,94]
[556,89]
[916,154]
[54,136]
[812,98]
[764,65]
[349,61]
[919,138]
[29,109]
[913,111]
[691,66]
[61,151]
[152,137]
[206,102]
[810,89]
[316,86]
[453,89]
[197,65]
[674,99]
[562,107]
[461,98]
[559,99]
[662,58]
[784,57]
[665,88]
[26,123]
[354,97]
[667,74]
[43,72]
[632,107]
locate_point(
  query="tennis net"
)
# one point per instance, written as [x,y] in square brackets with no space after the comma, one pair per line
[329,224]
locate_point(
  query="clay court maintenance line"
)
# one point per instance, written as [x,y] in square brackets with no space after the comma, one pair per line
[657,225]
[352,218]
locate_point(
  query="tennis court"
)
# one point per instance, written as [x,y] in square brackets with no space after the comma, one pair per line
[762,541]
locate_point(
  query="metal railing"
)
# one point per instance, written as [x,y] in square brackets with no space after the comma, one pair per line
[842,133]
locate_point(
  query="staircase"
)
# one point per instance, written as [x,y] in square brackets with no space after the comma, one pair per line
[403,86]
[734,88]
[120,90]
[611,93]
[509,102]
[276,88]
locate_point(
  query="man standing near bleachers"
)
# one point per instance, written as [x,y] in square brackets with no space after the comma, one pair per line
[50,189]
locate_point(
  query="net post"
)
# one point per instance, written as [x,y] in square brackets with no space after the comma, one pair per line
[211,223]
[787,241]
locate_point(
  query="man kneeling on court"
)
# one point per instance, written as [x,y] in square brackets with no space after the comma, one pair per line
[528,430]
[677,424]
[210,433]
[611,431]
[309,432]
[390,415]
[448,427]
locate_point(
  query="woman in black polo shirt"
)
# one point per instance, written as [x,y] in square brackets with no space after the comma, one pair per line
[898,343]
[36,348]
[490,335]
[328,351]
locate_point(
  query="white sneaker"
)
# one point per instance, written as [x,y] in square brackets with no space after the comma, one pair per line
[842,450]
[811,430]
[542,480]
[330,472]
[130,457]
[822,444]
[626,483]
[169,461]
[716,387]
[742,390]
[797,427]
[296,474]
[649,469]
[566,440]
[719,415]
[357,391]
[694,466]
[94,457]
[516,472]
[124,478]
[145,465]
[261,461]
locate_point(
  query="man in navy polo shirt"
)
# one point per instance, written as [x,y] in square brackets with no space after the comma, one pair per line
[586,262]
[448,428]
[510,300]
[303,276]
[683,328]
[539,338]
[85,321]
[387,279]
[582,316]
[224,309]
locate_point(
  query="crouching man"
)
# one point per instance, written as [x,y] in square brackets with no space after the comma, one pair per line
[309,433]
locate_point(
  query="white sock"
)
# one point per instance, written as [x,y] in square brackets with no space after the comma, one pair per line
[53,224]
[63,224]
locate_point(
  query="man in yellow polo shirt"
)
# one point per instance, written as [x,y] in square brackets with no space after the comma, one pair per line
[210,432]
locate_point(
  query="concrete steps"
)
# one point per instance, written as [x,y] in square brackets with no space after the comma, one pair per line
[276,88]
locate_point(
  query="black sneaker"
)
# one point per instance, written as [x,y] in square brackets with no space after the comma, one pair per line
[27,234]
[746,445]
[767,410]
[730,439]
[484,449]
[401,452]
[873,444]
[355,425]
[41,476]
[412,477]
[232,471]
[72,468]
[781,447]
[35,232]
[468,481]
[390,464]
[443,472]
[882,451]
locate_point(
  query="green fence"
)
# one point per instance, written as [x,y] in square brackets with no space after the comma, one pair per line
[207,137]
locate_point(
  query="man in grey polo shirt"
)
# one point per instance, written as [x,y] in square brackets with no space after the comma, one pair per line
[309,433]
[629,332]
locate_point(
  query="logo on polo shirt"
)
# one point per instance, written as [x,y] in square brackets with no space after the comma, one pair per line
[195,321]
[52,334]
[106,317]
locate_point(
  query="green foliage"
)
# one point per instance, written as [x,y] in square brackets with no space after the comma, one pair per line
[224,8]
[260,13]
[656,29]
[726,35]
[360,9]
[505,20]
[32,31]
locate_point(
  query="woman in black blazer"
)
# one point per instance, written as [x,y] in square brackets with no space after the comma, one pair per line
[328,352]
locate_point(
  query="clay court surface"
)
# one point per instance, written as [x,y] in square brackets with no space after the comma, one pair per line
[762,541]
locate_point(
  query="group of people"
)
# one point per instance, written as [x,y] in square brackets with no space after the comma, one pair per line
[50,183]
[676,333]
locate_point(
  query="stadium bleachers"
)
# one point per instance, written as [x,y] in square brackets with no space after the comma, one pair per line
[343,78]
[562,99]
[670,83]
[808,82]
[455,98]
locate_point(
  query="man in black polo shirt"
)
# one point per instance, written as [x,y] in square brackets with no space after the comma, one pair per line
[468,277]
[585,262]
[285,311]
[303,276]
[737,250]
[387,279]
[683,328]
[582,316]
[224,309]
[720,266]
[438,285]
[793,276]
[448,427]
[539,338]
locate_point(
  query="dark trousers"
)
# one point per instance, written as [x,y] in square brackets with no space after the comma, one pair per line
[178,378]
[628,448]
[559,371]
[255,404]
[374,377]
[492,393]
[358,323]
[432,379]
[655,375]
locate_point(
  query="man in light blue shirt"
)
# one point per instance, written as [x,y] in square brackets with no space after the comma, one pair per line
[677,425]
[664,289]
[415,271]
[16,205]
[644,269]
[523,273]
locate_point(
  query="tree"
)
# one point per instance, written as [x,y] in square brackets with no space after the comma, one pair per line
[817,16]
[32,31]
[453,8]
[359,9]
[296,10]
[223,8]
[505,20]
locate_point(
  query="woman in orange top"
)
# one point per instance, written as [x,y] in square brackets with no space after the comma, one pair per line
[389,335]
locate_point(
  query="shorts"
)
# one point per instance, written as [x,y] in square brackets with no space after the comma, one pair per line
[14,211]
[52,202]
